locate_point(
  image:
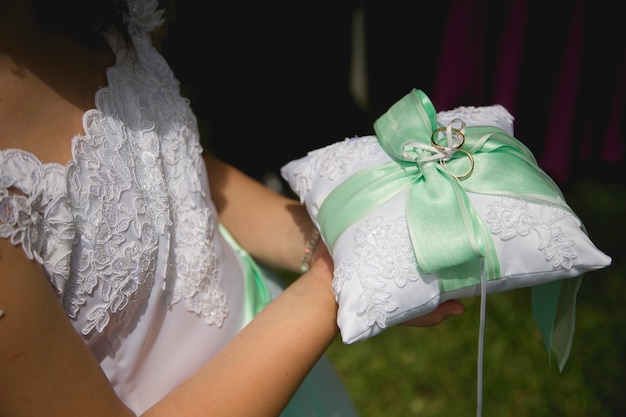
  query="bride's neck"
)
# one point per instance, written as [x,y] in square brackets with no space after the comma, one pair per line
[47,81]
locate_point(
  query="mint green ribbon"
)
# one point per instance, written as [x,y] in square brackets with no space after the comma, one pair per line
[257,295]
[448,236]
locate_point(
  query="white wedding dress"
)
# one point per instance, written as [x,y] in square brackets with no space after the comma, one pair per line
[131,241]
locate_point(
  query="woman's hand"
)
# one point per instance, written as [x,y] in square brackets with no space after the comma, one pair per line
[444,311]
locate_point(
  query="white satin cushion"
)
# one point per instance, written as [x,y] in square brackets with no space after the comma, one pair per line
[377,282]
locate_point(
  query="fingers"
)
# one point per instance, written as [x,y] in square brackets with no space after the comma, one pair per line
[445,310]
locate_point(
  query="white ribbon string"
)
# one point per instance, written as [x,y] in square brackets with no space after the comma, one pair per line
[481,342]
[439,153]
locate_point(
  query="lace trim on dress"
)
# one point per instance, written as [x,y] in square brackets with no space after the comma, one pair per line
[34,211]
[132,192]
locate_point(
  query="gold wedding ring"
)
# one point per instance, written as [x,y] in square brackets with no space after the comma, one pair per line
[433,138]
[468,173]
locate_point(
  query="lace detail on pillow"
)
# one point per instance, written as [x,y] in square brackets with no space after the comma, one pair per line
[495,115]
[383,253]
[383,256]
[334,160]
[509,218]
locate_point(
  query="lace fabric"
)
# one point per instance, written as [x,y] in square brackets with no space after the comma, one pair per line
[130,199]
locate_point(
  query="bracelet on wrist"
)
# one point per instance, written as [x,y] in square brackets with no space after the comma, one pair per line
[308,251]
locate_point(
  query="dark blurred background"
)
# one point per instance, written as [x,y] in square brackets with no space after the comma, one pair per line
[271,82]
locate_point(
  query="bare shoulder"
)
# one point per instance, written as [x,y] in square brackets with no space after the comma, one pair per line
[45,368]
[21,280]
[45,89]
[27,303]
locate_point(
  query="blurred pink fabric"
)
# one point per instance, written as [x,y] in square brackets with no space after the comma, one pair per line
[562,73]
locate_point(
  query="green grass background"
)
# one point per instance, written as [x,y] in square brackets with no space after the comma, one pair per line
[432,372]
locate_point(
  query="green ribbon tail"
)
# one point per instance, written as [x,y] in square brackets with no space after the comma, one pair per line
[554,310]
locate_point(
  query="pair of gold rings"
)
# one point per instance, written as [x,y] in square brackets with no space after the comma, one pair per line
[457,147]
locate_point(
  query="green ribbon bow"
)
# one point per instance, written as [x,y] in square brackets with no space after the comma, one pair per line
[448,236]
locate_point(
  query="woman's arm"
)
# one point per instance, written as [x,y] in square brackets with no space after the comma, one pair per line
[47,370]
[273,228]
[45,367]
[257,373]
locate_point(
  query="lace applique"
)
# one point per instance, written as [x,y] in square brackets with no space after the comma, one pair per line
[510,217]
[383,256]
[334,160]
[145,184]
[144,16]
[495,115]
[193,262]
[34,211]
[383,253]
